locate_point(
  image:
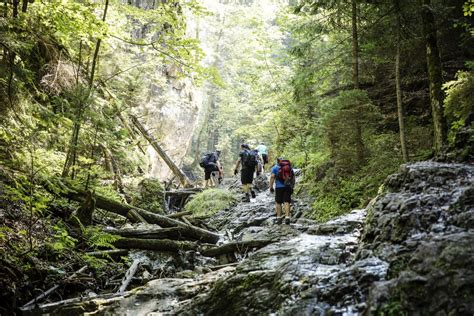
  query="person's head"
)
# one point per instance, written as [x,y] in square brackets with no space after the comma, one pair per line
[244,146]
[218,153]
[279,159]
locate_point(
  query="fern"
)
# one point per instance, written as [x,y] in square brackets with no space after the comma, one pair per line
[97,239]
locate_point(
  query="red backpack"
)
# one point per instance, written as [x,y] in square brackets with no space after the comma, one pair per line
[285,172]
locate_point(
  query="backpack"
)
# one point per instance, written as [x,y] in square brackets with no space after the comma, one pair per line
[207,160]
[249,159]
[285,173]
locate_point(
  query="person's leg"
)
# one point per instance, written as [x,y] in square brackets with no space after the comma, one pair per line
[287,209]
[278,209]
[213,179]
[287,200]
[278,203]
[252,192]
[207,176]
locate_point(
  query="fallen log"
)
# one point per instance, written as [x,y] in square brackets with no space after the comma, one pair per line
[155,244]
[128,276]
[235,246]
[152,218]
[54,288]
[53,307]
[157,233]
[108,253]
[180,214]
[187,191]
[154,143]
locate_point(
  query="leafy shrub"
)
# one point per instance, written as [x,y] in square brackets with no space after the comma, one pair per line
[458,103]
[151,195]
[210,202]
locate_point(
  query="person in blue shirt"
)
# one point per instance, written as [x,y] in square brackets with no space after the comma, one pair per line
[283,190]
[263,151]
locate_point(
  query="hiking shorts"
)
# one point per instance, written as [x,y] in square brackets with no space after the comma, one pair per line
[265,158]
[283,195]
[246,176]
[208,172]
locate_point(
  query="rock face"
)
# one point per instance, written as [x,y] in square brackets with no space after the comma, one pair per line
[170,104]
[423,228]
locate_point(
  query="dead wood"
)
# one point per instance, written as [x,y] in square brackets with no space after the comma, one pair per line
[235,246]
[54,288]
[154,143]
[152,218]
[157,233]
[180,214]
[108,253]
[128,276]
[155,244]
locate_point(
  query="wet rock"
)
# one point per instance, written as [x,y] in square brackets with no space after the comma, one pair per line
[411,252]
[427,240]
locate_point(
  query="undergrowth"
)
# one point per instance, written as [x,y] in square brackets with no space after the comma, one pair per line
[210,201]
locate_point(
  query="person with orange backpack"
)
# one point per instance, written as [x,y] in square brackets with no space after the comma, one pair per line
[283,176]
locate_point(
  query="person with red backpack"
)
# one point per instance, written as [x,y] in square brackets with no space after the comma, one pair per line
[283,176]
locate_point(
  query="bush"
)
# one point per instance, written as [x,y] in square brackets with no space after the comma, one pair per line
[210,201]
[152,195]
[458,103]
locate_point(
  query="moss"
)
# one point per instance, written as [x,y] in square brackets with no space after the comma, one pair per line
[392,308]
[151,195]
[210,201]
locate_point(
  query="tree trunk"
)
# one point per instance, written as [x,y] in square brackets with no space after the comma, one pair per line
[360,147]
[24,6]
[398,81]
[433,61]
[109,158]
[72,151]
[15,4]
[154,143]
[84,213]
[355,47]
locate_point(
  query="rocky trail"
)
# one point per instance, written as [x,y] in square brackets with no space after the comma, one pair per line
[412,246]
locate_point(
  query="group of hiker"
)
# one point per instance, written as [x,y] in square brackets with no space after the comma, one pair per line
[252,162]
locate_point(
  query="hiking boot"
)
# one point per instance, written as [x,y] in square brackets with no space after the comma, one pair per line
[278,220]
[247,197]
[253,194]
[287,221]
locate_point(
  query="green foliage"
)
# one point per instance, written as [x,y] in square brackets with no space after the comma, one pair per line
[210,201]
[468,8]
[458,103]
[61,240]
[151,195]
[97,239]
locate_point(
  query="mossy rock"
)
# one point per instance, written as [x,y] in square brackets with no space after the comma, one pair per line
[151,195]
[210,201]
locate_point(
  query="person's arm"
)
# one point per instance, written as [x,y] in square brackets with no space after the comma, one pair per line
[219,167]
[236,169]
[272,181]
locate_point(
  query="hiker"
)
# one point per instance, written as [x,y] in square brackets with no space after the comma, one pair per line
[248,162]
[284,178]
[263,151]
[212,169]
[259,168]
